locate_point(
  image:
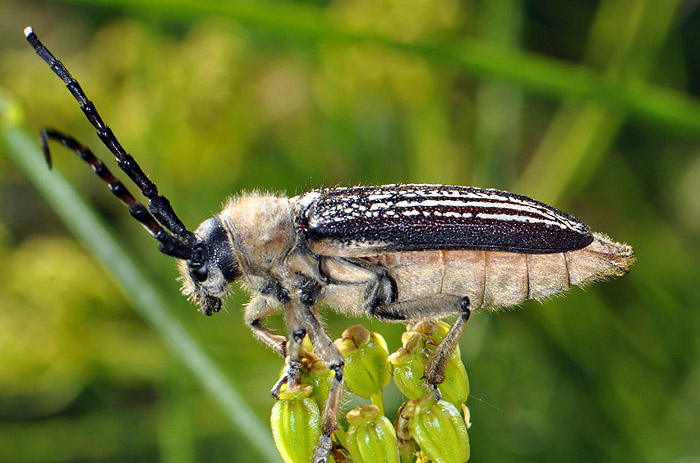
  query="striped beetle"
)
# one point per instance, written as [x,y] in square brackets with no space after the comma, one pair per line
[399,253]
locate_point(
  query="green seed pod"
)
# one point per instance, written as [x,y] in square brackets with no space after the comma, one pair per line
[367,369]
[440,431]
[371,437]
[296,424]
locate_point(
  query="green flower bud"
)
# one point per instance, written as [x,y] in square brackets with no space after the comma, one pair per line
[367,369]
[409,364]
[419,342]
[370,437]
[455,388]
[440,431]
[315,374]
[296,424]
[433,330]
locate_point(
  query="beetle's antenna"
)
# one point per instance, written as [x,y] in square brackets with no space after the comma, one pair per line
[169,244]
[158,205]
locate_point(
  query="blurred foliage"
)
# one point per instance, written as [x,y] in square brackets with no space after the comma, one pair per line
[215,98]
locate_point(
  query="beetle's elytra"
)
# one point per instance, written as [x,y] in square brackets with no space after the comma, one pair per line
[399,253]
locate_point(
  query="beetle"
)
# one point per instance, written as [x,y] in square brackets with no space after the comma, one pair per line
[398,253]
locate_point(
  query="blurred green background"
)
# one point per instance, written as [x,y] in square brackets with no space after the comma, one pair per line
[589,106]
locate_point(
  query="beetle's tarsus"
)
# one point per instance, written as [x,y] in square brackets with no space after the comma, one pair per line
[323,449]
[436,391]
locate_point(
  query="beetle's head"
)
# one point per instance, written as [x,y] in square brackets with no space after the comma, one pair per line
[207,274]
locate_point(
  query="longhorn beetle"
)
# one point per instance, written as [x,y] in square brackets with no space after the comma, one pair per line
[399,253]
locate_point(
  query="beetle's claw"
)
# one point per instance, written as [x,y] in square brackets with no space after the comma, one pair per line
[290,377]
[436,391]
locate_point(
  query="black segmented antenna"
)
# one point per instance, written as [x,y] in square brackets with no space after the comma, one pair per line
[160,212]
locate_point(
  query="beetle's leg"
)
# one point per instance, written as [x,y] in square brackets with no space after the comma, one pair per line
[380,297]
[308,290]
[257,310]
[296,330]
[435,307]
[326,349]
[380,287]
[439,306]
[435,370]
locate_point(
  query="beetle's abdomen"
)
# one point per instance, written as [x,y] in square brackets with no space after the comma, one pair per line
[497,279]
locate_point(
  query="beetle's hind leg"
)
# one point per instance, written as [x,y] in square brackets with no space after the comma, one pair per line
[381,302]
[439,306]
[435,370]
[435,307]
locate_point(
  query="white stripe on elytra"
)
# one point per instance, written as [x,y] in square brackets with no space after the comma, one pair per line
[545,213]
[501,197]
[519,218]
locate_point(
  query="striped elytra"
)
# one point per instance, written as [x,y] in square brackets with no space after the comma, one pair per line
[418,217]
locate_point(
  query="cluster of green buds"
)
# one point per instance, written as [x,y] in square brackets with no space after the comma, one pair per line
[428,427]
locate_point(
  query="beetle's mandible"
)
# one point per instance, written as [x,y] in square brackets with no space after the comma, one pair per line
[399,253]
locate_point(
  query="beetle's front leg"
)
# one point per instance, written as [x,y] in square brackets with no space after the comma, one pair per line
[257,310]
[296,333]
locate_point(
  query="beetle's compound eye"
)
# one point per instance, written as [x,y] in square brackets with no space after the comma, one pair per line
[199,274]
